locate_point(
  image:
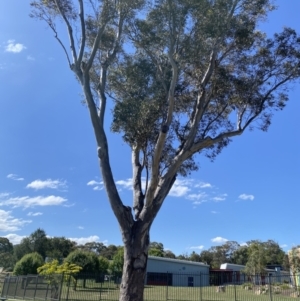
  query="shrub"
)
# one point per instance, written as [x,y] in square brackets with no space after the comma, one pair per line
[28,264]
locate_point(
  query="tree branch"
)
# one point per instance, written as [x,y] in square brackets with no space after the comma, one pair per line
[138,197]
[83,32]
[70,32]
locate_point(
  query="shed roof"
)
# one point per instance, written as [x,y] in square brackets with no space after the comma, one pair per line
[178,261]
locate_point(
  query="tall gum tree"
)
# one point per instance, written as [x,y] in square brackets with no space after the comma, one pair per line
[185,77]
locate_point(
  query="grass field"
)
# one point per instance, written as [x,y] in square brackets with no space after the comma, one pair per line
[161,293]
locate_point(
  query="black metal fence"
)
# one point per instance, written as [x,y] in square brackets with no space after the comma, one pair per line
[158,287]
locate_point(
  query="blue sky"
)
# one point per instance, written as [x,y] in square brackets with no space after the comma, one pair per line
[49,172]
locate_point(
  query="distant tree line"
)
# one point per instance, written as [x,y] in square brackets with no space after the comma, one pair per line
[37,248]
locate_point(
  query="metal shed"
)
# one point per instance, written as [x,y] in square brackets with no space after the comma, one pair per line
[175,272]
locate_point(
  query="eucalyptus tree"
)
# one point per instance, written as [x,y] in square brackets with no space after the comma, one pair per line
[185,77]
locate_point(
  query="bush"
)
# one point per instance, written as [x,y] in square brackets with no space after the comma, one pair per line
[87,260]
[28,264]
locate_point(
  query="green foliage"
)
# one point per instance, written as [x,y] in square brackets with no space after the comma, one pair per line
[257,261]
[156,252]
[88,261]
[103,264]
[37,241]
[29,264]
[7,259]
[116,266]
[53,267]
[294,259]
[59,247]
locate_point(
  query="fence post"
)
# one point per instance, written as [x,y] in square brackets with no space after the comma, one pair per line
[200,286]
[25,286]
[68,285]
[36,283]
[234,285]
[101,286]
[167,286]
[17,283]
[270,286]
[61,284]
[7,287]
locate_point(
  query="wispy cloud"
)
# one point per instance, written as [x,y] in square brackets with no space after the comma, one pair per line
[30,58]
[197,196]
[283,246]
[196,203]
[28,202]
[14,238]
[197,247]
[4,195]
[80,227]
[219,240]
[15,177]
[180,188]
[219,199]
[10,223]
[214,212]
[84,240]
[203,185]
[14,47]
[126,184]
[34,213]
[96,185]
[52,184]
[246,197]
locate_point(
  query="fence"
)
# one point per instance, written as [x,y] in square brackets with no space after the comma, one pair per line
[158,287]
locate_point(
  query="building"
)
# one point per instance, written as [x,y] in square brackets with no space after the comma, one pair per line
[233,273]
[175,272]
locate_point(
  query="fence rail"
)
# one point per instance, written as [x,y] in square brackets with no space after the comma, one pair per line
[158,287]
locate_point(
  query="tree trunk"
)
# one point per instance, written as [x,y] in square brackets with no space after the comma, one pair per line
[134,269]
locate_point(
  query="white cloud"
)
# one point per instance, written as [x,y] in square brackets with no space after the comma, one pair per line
[243,244]
[196,203]
[98,188]
[219,199]
[14,177]
[14,47]
[219,240]
[126,184]
[246,197]
[14,238]
[97,185]
[28,202]
[80,227]
[10,223]
[283,246]
[53,184]
[34,213]
[30,58]
[180,188]
[197,247]
[93,182]
[203,185]
[84,240]
[197,196]
[4,195]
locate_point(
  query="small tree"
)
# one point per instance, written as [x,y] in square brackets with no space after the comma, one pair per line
[29,264]
[256,264]
[103,264]
[53,272]
[88,261]
[117,263]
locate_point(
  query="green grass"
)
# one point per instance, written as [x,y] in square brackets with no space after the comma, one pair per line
[110,291]
[160,293]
